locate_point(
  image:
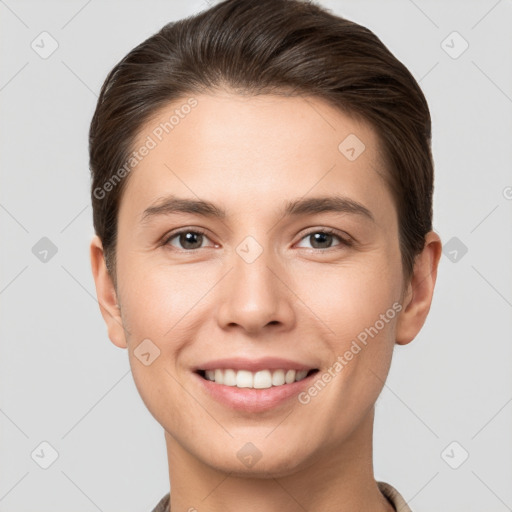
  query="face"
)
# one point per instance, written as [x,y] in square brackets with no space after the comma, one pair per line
[283,283]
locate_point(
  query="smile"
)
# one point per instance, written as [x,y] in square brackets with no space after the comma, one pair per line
[262,379]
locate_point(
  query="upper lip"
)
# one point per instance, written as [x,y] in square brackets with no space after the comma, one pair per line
[254,365]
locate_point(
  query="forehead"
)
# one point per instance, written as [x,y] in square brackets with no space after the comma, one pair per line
[255,150]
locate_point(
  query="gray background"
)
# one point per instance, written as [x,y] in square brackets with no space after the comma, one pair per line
[62,381]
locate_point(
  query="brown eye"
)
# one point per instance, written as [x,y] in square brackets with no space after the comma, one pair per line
[188,240]
[323,239]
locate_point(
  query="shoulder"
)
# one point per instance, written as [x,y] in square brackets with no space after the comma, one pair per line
[386,489]
[394,497]
[163,504]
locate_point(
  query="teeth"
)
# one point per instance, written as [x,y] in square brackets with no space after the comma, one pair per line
[278,378]
[229,378]
[258,380]
[289,377]
[243,379]
[219,376]
[301,374]
[262,379]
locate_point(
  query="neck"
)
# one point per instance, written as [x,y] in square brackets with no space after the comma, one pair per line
[340,478]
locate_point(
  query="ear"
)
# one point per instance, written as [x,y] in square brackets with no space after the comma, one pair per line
[106,293]
[418,296]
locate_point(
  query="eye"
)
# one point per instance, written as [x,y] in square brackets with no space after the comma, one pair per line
[192,239]
[323,238]
[189,239]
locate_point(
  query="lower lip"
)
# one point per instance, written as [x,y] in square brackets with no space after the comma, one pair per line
[254,400]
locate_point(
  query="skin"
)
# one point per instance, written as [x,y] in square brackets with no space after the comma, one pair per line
[298,300]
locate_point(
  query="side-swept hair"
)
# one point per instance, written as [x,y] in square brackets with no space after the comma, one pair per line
[289,47]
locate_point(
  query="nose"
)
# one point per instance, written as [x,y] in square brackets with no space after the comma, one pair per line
[255,294]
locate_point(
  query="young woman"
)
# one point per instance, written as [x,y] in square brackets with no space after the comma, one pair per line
[262,192]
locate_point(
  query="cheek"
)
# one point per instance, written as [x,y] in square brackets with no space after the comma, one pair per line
[163,307]
[157,306]
[349,299]
[358,307]
[157,298]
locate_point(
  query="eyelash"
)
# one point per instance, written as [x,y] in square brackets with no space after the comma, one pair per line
[345,242]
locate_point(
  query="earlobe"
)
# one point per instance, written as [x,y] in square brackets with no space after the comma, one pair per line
[106,294]
[418,297]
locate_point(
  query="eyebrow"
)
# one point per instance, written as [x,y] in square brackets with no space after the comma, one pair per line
[171,204]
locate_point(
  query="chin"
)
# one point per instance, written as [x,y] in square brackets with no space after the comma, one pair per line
[251,462]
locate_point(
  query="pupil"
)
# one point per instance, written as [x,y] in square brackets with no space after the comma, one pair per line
[321,238]
[188,238]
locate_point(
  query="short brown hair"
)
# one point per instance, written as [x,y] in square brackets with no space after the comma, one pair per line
[268,47]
